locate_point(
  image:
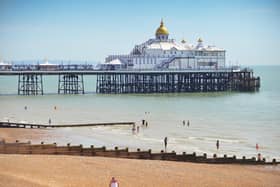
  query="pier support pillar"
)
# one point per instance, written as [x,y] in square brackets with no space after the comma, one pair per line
[30,84]
[71,83]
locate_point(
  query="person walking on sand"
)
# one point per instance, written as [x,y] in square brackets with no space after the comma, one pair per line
[184,122]
[165,143]
[133,128]
[218,144]
[50,121]
[113,183]
[188,123]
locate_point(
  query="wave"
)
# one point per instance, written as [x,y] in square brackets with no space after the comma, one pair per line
[211,139]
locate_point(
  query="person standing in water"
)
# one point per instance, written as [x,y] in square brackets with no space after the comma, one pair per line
[217,144]
[257,146]
[165,143]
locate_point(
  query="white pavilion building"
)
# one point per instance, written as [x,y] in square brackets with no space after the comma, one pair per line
[164,53]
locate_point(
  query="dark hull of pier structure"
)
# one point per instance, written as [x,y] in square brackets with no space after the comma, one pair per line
[176,82]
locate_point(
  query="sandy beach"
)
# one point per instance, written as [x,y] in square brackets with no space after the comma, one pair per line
[23,135]
[55,170]
[39,170]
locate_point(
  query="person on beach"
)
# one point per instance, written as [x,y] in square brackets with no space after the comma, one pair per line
[188,123]
[259,157]
[184,122]
[218,144]
[133,128]
[113,183]
[165,143]
[146,124]
[50,121]
[25,107]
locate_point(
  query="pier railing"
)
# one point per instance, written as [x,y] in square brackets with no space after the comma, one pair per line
[79,150]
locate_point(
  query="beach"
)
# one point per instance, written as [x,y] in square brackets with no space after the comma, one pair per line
[59,170]
[51,170]
[22,134]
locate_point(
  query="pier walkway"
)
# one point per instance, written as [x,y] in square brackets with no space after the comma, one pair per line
[28,125]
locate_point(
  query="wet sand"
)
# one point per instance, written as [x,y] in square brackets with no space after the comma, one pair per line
[52,170]
[23,135]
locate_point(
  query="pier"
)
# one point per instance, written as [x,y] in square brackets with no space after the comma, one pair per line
[176,82]
[80,150]
[28,125]
[30,82]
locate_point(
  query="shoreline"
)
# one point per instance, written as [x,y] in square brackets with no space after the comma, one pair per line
[64,170]
[48,136]
[28,147]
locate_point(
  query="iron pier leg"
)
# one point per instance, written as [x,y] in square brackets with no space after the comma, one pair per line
[71,83]
[30,84]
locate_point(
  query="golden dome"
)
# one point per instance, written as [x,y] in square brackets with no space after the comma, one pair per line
[162,30]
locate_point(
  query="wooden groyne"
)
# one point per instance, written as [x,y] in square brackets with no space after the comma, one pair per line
[79,150]
[28,125]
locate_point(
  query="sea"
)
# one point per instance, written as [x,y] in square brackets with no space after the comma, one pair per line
[239,120]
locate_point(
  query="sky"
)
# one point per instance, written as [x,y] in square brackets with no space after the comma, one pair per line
[82,30]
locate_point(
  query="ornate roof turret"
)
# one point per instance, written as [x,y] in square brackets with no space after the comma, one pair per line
[162,30]
[199,40]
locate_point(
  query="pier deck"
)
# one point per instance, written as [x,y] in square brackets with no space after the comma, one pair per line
[28,125]
[98,72]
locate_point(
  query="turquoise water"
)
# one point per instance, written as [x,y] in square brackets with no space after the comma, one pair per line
[238,120]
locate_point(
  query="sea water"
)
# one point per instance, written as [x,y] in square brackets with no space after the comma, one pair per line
[239,120]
